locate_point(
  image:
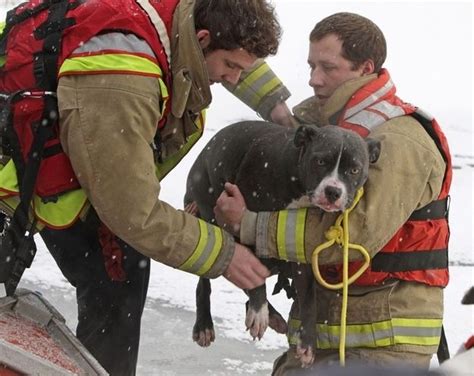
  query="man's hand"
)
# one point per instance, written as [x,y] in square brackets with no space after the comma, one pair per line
[245,270]
[192,208]
[282,115]
[230,208]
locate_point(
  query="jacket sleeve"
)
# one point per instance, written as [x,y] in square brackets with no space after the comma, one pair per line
[107,124]
[260,89]
[407,176]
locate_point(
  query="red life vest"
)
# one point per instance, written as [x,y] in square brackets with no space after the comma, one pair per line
[28,58]
[418,251]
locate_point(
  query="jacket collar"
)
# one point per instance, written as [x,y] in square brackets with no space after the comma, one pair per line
[310,110]
[191,90]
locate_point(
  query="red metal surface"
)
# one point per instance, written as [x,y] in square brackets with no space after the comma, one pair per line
[30,337]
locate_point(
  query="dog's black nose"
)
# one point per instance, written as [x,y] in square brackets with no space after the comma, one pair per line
[332,193]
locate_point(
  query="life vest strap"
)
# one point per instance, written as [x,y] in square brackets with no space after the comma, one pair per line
[393,262]
[438,209]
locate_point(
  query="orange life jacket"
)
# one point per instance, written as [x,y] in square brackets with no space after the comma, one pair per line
[418,251]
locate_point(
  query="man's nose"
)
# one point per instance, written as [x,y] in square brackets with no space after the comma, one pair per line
[315,78]
[233,76]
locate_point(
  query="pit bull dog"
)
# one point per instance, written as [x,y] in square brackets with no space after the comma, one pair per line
[275,168]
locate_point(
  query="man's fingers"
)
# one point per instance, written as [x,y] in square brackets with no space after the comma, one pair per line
[245,270]
[232,189]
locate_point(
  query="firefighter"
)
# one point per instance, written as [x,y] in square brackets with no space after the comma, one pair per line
[395,308]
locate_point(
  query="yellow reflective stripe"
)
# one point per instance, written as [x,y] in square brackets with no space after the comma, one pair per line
[206,252]
[164,93]
[299,234]
[421,323]
[110,63]
[62,213]
[8,178]
[281,229]
[397,331]
[259,83]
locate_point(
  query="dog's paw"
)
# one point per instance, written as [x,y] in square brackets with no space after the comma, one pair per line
[305,354]
[257,321]
[204,337]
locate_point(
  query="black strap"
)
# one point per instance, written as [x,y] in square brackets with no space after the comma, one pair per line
[410,261]
[46,61]
[443,349]
[438,209]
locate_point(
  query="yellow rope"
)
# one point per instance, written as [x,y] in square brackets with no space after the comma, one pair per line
[339,233]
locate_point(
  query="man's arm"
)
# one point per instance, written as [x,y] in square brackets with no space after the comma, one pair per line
[260,89]
[108,123]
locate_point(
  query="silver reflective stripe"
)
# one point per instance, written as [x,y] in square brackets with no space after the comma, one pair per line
[159,26]
[291,234]
[367,119]
[388,109]
[376,114]
[250,91]
[262,248]
[374,97]
[116,41]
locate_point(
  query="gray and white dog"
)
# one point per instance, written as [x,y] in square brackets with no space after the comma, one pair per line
[275,168]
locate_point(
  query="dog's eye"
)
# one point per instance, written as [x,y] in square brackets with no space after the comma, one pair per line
[320,162]
[355,171]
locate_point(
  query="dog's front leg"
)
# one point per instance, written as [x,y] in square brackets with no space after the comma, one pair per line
[305,286]
[257,312]
[203,330]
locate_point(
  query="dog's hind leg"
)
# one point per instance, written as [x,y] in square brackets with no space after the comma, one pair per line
[203,330]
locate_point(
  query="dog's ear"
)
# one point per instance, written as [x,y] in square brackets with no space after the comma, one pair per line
[374,149]
[304,134]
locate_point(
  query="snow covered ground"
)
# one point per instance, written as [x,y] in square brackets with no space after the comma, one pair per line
[430,60]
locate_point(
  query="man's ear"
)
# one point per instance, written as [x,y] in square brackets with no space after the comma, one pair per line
[368,67]
[204,38]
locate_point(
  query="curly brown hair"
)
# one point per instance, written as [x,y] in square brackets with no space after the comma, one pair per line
[248,24]
[361,38]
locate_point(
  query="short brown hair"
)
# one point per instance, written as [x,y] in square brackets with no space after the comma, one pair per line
[361,38]
[248,24]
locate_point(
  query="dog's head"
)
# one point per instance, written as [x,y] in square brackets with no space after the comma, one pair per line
[333,164]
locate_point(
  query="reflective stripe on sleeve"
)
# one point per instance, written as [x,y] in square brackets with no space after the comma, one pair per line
[110,63]
[207,249]
[259,83]
[290,234]
[397,331]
